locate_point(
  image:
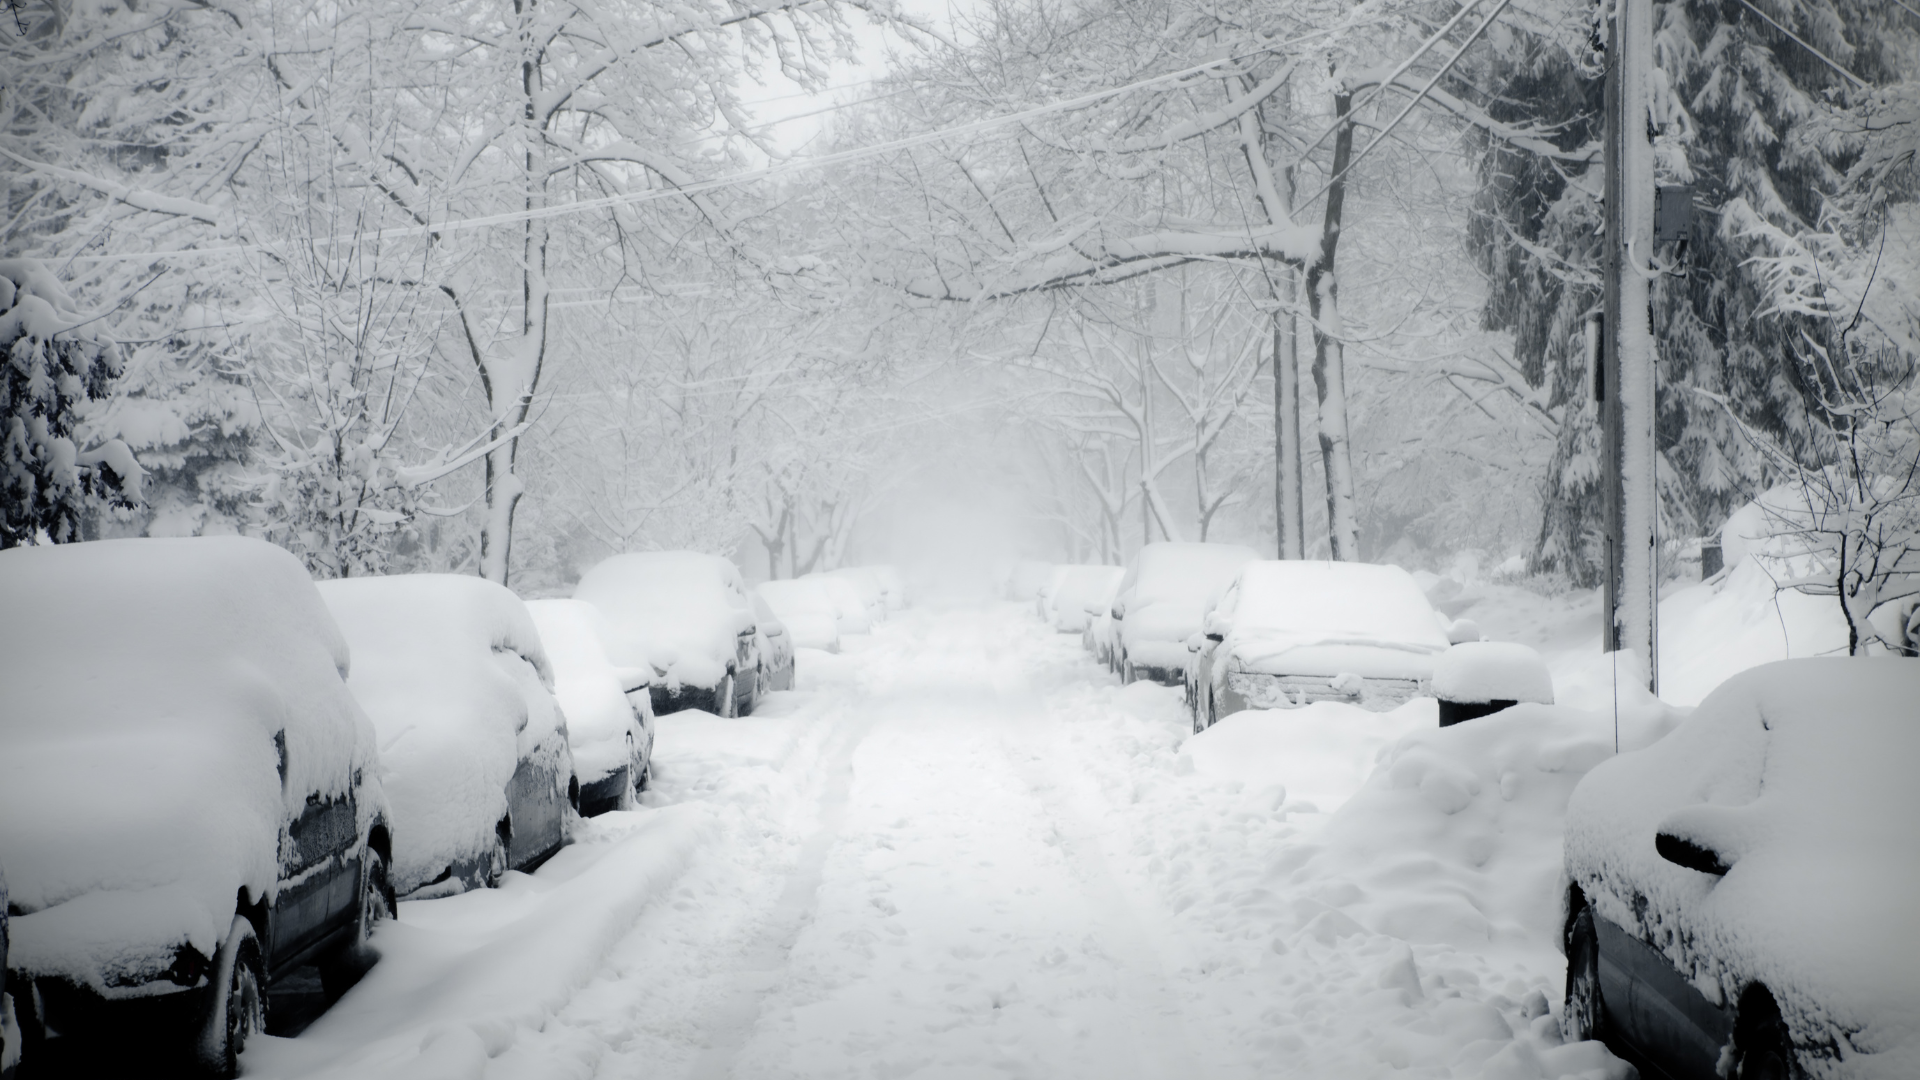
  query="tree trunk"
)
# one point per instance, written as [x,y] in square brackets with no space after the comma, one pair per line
[1329,362]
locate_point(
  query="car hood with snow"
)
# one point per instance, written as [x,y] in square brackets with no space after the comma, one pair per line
[592,693]
[1797,779]
[453,673]
[165,706]
[680,611]
[1165,593]
[1294,617]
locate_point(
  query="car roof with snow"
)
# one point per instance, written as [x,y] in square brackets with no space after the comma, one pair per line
[1183,573]
[157,675]
[1307,602]
[1798,776]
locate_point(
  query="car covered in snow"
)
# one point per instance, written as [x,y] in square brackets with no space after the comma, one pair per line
[1286,633]
[473,747]
[1740,894]
[851,612]
[686,614]
[894,583]
[1160,602]
[872,591]
[608,710]
[806,607]
[191,799]
[1075,593]
[774,649]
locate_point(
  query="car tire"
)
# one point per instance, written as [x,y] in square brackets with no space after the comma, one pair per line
[1762,1046]
[1584,1015]
[236,1008]
[725,704]
[339,972]
[499,858]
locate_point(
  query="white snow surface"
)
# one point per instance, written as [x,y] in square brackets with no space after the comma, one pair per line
[1800,774]
[454,674]
[807,608]
[965,851]
[589,689]
[1483,671]
[851,614]
[681,611]
[142,683]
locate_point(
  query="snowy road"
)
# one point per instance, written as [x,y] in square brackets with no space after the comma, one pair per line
[964,851]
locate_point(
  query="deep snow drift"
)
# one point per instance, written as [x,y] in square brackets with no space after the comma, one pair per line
[961,849]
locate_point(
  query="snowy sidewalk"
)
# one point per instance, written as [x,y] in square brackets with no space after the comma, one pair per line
[964,851]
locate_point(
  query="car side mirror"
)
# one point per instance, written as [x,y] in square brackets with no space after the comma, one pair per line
[1692,854]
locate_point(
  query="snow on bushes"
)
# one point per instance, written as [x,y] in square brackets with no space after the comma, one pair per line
[457,682]
[1799,774]
[143,684]
[51,365]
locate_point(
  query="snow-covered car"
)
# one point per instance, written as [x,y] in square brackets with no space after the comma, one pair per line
[850,608]
[608,710]
[686,614]
[1076,592]
[1160,602]
[473,748]
[805,606]
[1740,898]
[190,797]
[873,594]
[895,584]
[1287,633]
[775,649]
[1026,578]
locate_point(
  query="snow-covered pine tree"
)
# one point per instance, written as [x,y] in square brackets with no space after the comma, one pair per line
[1741,118]
[52,365]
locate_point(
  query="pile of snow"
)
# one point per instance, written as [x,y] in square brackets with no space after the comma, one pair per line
[457,681]
[1799,775]
[142,686]
[806,606]
[1313,758]
[591,692]
[681,611]
[1486,671]
[1166,591]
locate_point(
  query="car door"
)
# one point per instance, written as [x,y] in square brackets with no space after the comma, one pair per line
[319,879]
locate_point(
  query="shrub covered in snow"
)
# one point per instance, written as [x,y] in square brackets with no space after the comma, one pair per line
[51,366]
[166,706]
[458,684]
[1774,839]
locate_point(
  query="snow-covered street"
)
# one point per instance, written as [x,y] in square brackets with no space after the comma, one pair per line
[962,849]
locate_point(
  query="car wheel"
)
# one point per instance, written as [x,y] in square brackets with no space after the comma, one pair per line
[1582,1018]
[236,1002]
[340,971]
[1762,1047]
[726,704]
[497,858]
[1193,710]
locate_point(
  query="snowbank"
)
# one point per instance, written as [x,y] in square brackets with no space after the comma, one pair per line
[588,688]
[1799,775]
[681,611]
[454,675]
[142,686]
[1313,758]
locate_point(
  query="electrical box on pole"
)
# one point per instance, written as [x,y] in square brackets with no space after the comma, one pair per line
[1627,373]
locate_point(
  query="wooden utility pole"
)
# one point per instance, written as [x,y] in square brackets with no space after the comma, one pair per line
[1627,372]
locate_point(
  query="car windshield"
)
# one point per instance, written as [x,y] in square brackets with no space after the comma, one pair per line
[1324,601]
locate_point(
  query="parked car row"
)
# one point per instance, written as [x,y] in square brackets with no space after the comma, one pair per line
[214,771]
[819,608]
